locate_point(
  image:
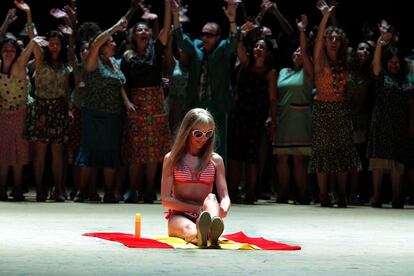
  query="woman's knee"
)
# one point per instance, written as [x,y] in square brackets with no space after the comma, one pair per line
[211,197]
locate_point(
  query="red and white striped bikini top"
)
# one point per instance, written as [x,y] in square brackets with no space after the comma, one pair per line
[184,175]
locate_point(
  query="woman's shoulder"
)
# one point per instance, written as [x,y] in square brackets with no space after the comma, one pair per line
[167,163]
[216,159]
[167,156]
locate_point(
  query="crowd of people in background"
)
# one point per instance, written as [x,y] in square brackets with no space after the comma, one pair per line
[301,115]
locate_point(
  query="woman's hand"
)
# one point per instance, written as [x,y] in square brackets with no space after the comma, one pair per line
[130,107]
[324,8]
[41,41]
[303,23]
[20,4]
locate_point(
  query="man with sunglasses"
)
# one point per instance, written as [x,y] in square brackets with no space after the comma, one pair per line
[210,66]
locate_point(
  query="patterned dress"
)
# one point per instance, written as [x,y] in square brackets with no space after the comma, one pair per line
[101,121]
[294,132]
[14,149]
[333,149]
[247,120]
[389,135]
[148,136]
[47,119]
[357,91]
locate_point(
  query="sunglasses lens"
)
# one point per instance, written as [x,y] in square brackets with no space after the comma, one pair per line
[208,35]
[209,134]
[197,133]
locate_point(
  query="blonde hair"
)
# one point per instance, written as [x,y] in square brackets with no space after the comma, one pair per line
[179,149]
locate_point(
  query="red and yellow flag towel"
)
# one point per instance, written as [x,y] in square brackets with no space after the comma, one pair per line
[237,240]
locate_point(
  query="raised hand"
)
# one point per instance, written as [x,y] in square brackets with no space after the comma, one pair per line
[175,6]
[121,25]
[385,30]
[72,15]
[66,30]
[20,4]
[324,8]
[303,23]
[148,15]
[267,5]
[384,26]
[182,14]
[58,13]
[248,26]
[11,16]
[231,9]
[41,41]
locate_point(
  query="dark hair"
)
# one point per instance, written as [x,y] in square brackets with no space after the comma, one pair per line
[63,54]
[87,30]
[343,50]
[16,45]
[270,59]
[133,42]
[354,64]
[389,53]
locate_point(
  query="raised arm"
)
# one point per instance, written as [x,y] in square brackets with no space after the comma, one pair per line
[319,56]
[383,40]
[19,67]
[241,49]
[30,26]
[183,41]
[167,198]
[333,18]
[165,32]
[175,12]
[10,18]
[284,24]
[307,63]
[91,59]
[230,12]
[133,7]
[35,47]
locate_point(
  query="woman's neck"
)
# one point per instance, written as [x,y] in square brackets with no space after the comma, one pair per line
[193,151]
[141,50]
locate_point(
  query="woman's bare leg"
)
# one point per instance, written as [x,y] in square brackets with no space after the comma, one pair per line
[182,227]
[39,168]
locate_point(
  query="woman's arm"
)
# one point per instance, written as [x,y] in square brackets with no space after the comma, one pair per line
[19,67]
[307,63]
[230,11]
[165,32]
[30,27]
[91,59]
[10,18]
[221,185]
[319,56]
[284,24]
[383,40]
[128,105]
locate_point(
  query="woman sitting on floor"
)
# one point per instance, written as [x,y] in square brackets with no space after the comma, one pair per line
[189,172]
